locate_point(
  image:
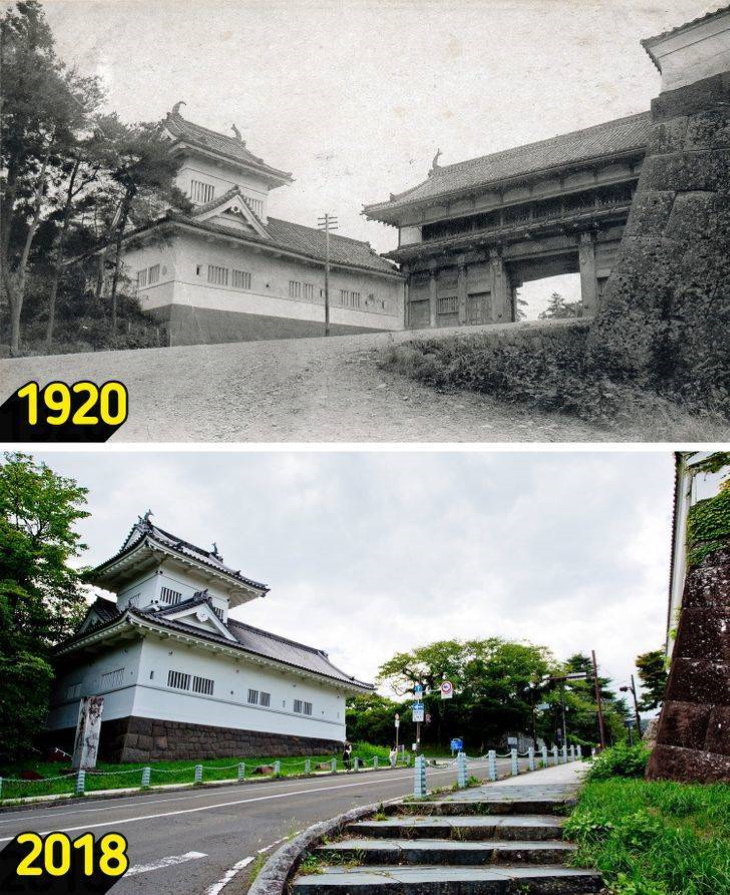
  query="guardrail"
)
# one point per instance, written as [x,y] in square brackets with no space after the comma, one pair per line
[81,783]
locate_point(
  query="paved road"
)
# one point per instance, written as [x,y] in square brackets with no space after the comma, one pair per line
[296,390]
[220,827]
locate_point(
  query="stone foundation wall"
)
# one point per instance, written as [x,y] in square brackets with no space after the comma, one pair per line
[662,318]
[693,737]
[148,739]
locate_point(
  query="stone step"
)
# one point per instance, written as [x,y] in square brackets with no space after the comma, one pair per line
[528,827]
[444,808]
[445,852]
[505,880]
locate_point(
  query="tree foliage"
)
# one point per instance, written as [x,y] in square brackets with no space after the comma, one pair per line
[559,308]
[77,179]
[652,668]
[501,687]
[41,599]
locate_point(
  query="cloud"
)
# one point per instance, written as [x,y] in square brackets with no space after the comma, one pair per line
[371,553]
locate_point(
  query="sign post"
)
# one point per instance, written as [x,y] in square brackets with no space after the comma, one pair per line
[397,727]
[447,689]
[419,712]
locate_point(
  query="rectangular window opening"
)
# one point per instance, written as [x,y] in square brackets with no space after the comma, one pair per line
[265,699]
[217,275]
[112,679]
[203,685]
[201,192]
[240,279]
[253,697]
[178,679]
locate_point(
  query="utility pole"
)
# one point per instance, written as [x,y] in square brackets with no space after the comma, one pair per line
[632,690]
[599,704]
[328,223]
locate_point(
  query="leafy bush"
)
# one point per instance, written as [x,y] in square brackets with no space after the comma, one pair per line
[546,366]
[620,761]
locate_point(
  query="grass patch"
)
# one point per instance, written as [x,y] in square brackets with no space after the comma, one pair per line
[56,778]
[654,838]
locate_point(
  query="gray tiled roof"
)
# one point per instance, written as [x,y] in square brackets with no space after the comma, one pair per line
[610,138]
[105,609]
[232,147]
[247,638]
[146,528]
[306,241]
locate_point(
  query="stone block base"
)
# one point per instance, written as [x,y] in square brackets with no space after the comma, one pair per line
[200,326]
[137,739]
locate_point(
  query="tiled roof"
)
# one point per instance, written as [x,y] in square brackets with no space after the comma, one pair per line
[647,41]
[247,639]
[145,528]
[297,238]
[105,609]
[610,138]
[231,147]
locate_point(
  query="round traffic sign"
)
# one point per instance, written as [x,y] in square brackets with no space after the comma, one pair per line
[447,689]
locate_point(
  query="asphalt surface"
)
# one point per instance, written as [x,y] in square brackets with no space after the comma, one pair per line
[189,842]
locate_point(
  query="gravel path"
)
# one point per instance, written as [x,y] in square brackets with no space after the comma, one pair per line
[298,390]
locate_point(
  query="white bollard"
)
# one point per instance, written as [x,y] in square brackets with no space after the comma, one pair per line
[334,765]
[531,758]
[492,764]
[544,755]
[277,768]
[515,769]
[307,765]
[375,763]
[198,773]
[461,775]
[419,780]
[565,754]
[241,771]
[80,783]
[555,755]
[146,777]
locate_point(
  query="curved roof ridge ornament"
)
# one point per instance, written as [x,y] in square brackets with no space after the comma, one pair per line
[176,107]
[435,163]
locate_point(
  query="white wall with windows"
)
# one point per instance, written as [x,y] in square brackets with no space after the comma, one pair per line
[112,674]
[227,276]
[169,585]
[181,682]
[203,179]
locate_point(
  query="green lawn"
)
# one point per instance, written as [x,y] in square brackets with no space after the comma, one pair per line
[119,776]
[655,838]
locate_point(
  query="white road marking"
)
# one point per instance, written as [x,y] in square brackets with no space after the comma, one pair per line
[278,795]
[165,862]
[216,887]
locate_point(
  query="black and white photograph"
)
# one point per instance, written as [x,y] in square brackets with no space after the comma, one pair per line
[365,447]
[371,221]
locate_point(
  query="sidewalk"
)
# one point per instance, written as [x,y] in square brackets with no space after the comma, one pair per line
[554,783]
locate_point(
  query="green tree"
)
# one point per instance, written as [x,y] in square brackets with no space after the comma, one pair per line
[41,598]
[652,670]
[371,719]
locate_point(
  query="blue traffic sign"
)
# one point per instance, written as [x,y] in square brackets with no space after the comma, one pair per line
[457,744]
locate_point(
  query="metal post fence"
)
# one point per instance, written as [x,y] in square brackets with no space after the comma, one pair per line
[531,758]
[241,771]
[1,787]
[146,777]
[514,770]
[356,765]
[277,768]
[555,754]
[492,764]
[544,755]
[461,770]
[307,765]
[419,780]
[80,783]
[375,763]
[334,765]
[565,754]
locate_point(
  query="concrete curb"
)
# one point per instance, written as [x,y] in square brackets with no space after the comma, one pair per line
[278,868]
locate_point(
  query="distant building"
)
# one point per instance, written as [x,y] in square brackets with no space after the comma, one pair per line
[473,232]
[227,271]
[180,678]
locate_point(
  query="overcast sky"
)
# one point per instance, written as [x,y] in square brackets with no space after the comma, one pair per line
[371,553]
[355,97]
